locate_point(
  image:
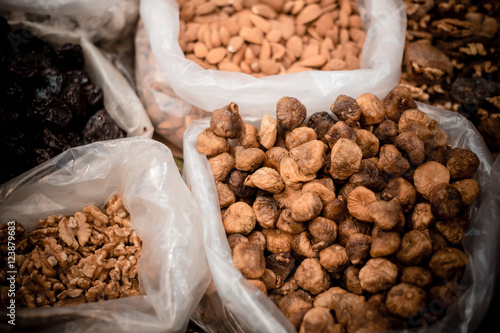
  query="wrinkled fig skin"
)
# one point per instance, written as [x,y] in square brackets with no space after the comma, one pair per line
[341,130]
[321,122]
[446,201]
[397,101]
[347,109]
[227,122]
[290,113]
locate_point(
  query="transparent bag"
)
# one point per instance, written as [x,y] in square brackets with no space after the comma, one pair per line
[173,272]
[256,313]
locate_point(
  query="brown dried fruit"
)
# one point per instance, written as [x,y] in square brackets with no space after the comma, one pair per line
[226,122]
[368,143]
[236,181]
[372,109]
[235,239]
[323,187]
[418,276]
[281,264]
[447,261]
[384,243]
[306,207]
[310,156]
[210,144]
[221,165]
[345,159]
[358,248]
[266,179]
[453,230]
[335,210]
[349,227]
[294,306]
[359,201]
[445,200]
[386,214]
[290,113]
[291,173]
[311,277]
[339,131]
[397,101]
[410,144]
[239,218]
[378,274]
[386,131]
[249,259]
[323,231]
[462,163]
[298,136]
[267,210]
[249,159]
[318,320]
[468,188]
[422,217]
[405,300]
[226,196]
[288,224]
[277,240]
[273,157]
[250,136]
[321,122]
[347,109]
[415,248]
[428,175]
[302,246]
[268,131]
[392,161]
[369,176]
[351,280]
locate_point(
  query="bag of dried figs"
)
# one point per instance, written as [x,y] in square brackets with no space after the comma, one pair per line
[243,307]
[176,90]
[172,270]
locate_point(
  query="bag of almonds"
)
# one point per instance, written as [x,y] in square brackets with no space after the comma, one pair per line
[100,239]
[381,247]
[192,55]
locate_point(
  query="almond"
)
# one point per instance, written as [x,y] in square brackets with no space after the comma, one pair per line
[235,44]
[277,5]
[324,24]
[251,35]
[200,50]
[245,68]
[265,50]
[294,46]
[260,23]
[224,36]
[336,65]
[309,51]
[191,32]
[277,51]
[228,66]
[269,66]
[287,29]
[206,8]
[355,22]
[297,69]
[214,56]
[274,36]
[215,37]
[315,61]
[309,13]
[297,7]
[264,11]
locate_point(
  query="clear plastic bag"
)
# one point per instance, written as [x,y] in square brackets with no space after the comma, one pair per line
[120,98]
[256,313]
[173,273]
[175,89]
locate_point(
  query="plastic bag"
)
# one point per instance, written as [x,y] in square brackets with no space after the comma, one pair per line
[120,100]
[172,268]
[256,313]
[175,89]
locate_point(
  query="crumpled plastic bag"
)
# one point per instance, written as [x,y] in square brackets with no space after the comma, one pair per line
[256,313]
[176,90]
[172,268]
[120,99]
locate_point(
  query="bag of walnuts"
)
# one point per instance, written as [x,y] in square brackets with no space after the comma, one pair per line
[99,239]
[192,54]
[370,217]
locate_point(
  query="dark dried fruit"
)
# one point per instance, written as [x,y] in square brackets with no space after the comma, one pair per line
[347,109]
[321,122]
[290,113]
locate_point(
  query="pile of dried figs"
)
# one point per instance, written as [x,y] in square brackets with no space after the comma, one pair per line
[47,102]
[451,59]
[348,220]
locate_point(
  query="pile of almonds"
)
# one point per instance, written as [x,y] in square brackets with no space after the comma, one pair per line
[268,37]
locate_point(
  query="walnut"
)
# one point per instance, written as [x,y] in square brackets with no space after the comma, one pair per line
[249,159]
[341,130]
[75,231]
[384,243]
[397,101]
[210,144]
[290,113]
[266,179]
[378,274]
[226,122]
[221,165]
[334,259]
[298,136]
[415,248]
[318,320]
[306,207]
[239,218]
[249,259]
[347,109]
[310,276]
[250,136]
[267,210]
[405,300]
[268,131]
[94,215]
[359,201]
[345,158]
[368,142]
[462,163]
[321,122]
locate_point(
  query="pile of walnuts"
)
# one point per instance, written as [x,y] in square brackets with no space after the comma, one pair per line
[350,220]
[87,257]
